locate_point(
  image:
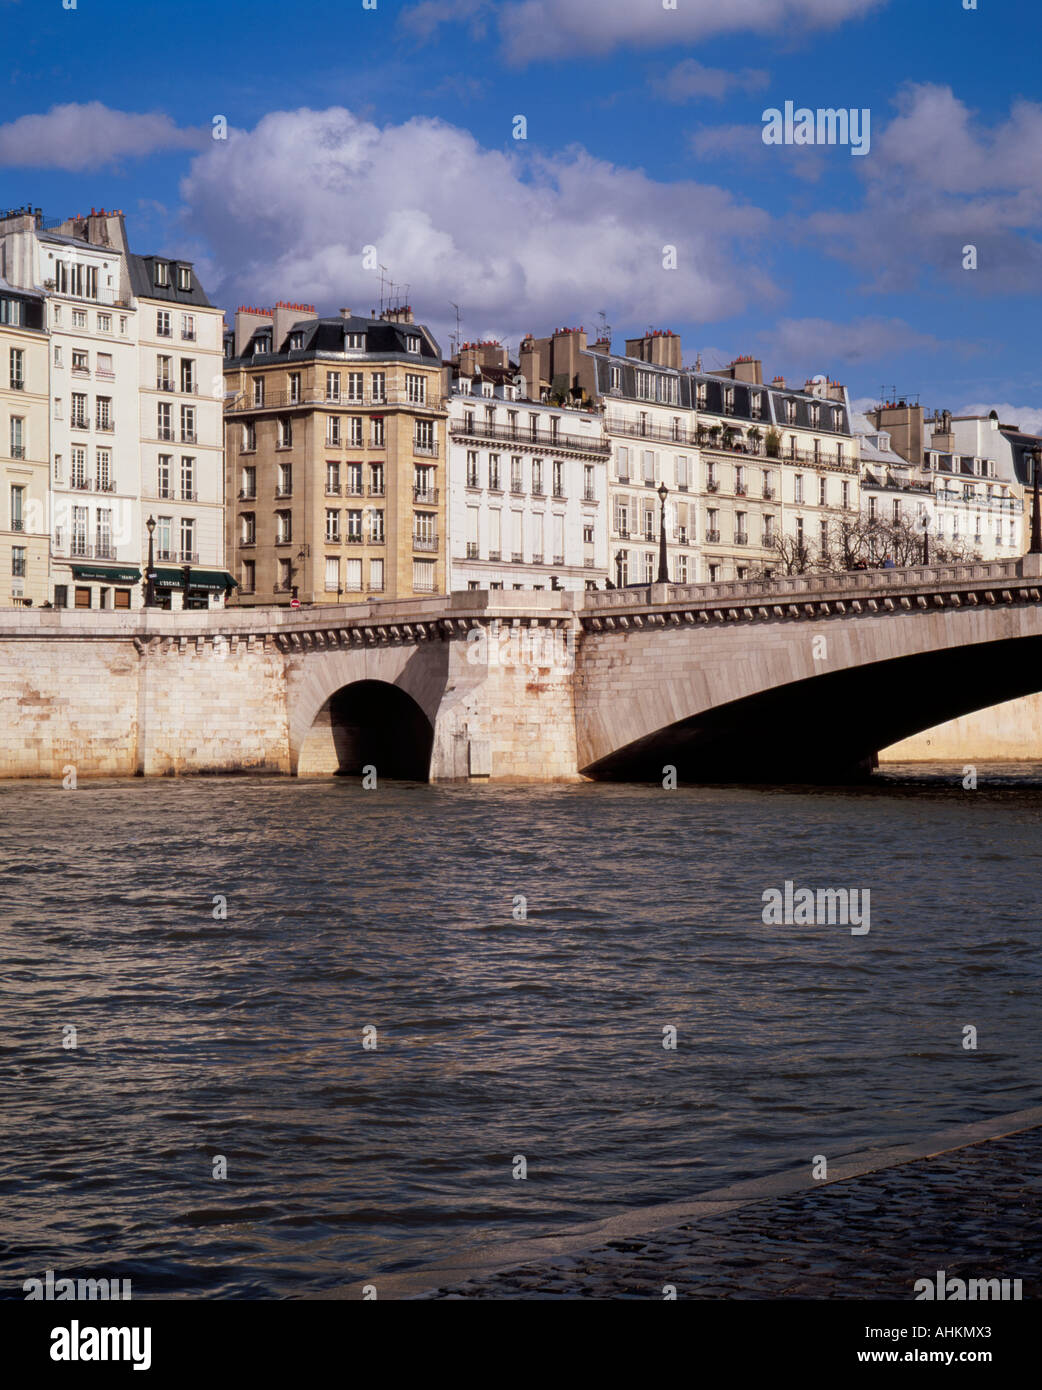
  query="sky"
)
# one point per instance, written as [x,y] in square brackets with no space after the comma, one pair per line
[368,133]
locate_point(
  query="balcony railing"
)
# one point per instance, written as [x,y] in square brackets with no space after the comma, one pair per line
[516,557]
[472,550]
[354,490]
[316,396]
[333,490]
[558,559]
[427,450]
[353,538]
[376,490]
[741,538]
[375,537]
[165,433]
[425,494]
[494,555]
[713,537]
[541,439]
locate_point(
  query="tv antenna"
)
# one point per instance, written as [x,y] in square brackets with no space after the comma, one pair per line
[458,336]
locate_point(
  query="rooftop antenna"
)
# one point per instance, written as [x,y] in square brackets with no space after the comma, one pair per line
[458,336]
[605,330]
[384,277]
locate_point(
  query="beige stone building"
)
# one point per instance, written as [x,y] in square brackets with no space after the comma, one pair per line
[24,448]
[335,452]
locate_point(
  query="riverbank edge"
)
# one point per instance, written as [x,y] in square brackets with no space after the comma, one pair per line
[642,1221]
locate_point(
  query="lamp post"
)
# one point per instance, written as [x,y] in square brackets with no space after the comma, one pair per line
[663,566]
[150,571]
[925,523]
[1036,515]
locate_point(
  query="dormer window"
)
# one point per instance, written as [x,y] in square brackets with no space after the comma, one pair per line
[296,342]
[815,415]
[354,341]
[464,386]
[790,412]
[487,389]
[729,400]
[161,274]
[412,343]
[184,277]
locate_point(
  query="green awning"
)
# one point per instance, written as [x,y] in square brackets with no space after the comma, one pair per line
[217,581]
[114,574]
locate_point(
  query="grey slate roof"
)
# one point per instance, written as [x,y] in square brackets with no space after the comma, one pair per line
[327,336]
[143,286]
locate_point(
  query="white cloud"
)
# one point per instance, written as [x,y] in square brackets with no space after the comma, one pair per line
[1026,417]
[948,182]
[89,135]
[745,142]
[542,29]
[520,240]
[691,81]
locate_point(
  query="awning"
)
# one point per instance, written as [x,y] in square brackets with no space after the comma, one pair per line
[216,581]
[114,574]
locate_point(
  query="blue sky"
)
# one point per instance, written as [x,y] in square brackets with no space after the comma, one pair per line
[393,128]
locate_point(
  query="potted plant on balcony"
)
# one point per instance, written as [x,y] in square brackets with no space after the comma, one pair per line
[755,436]
[713,434]
[772,444]
[728,437]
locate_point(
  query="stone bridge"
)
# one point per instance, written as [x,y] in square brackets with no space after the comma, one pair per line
[801,678]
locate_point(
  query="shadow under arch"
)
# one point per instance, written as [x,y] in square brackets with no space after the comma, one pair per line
[369,724]
[831,727]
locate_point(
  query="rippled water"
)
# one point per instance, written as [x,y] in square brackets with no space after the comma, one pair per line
[393,908]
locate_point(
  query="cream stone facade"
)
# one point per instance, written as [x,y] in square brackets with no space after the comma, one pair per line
[24,449]
[335,452]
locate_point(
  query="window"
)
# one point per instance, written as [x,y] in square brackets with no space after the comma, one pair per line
[332,386]
[424,534]
[188,554]
[283,528]
[18,561]
[57,468]
[589,485]
[376,526]
[161,274]
[797,488]
[332,565]
[80,363]
[58,355]
[537,478]
[423,576]
[333,430]
[412,343]
[284,486]
[188,424]
[332,527]
[249,437]
[355,390]
[249,482]
[353,575]
[284,432]
[379,383]
[516,479]
[588,533]
[82,596]
[376,480]
[258,390]
[823,492]
[188,479]
[354,342]
[17,369]
[415,389]
[354,431]
[78,473]
[649,567]
[248,571]
[423,437]
[700,396]
[729,400]
[558,477]
[622,568]
[17,437]
[493,473]
[824,537]
[376,432]
[376,574]
[103,471]
[11,312]
[294,388]
[17,506]
[756,405]
[846,494]
[188,327]
[423,484]
[164,538]
[78,419]
[332,477]
[472,468]
[248,528]
[163,323]
[622,465]
[184,277]
[683,472]
[615,378]
[103,534]
[648,465]
[103,413]
[285,576]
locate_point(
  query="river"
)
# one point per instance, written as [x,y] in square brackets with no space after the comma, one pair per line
[502,1029]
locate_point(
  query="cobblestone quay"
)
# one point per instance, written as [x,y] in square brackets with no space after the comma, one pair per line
[974,1213]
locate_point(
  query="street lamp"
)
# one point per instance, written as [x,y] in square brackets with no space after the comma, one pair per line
[1036,515]
[925,524]
[150,572]
[663,566]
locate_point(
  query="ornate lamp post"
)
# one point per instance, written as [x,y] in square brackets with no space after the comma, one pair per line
[150,571]
[925,523]
[1036,515]
[663,566]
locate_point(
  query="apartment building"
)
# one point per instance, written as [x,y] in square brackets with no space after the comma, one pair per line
[181,426]
[104,432]
[335,456]
[527,482]
[24,448]
[754,474]
[973,501]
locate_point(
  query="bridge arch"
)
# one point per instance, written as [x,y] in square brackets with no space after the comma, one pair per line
[369,723]
[796,699]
